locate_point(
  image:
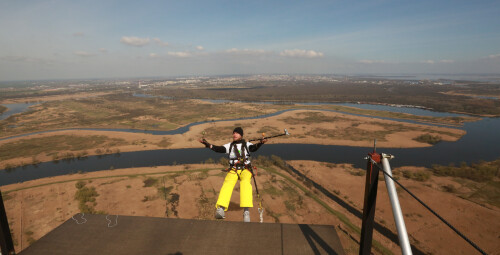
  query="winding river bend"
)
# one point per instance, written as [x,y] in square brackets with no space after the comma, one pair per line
[482,142]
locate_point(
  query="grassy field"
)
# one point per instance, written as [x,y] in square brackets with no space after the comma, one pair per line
[477,182]
[430,96]
[480,172]
[126,111]
[404,116]
[53,145]
[428,138]
[303,124]
[353,132]
[2,109]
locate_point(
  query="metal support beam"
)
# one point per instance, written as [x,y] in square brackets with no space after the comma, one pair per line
[6,244]
[370,200]
[404,242]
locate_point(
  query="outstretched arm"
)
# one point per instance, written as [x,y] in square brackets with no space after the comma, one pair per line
[255,147]
[219,149]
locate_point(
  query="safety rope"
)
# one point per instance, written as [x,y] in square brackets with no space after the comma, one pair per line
[261,209]
[432,211]
[250,169]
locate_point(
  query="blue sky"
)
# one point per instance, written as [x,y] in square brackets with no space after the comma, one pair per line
[107,39]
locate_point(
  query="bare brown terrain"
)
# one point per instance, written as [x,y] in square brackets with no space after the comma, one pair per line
[190,191]
[476,220]
[305,126]
[167,191]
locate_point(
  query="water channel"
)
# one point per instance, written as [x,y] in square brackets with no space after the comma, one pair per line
[482,142]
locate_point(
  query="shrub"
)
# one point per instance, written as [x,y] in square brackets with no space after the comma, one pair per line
[85,195]
[428,138]
[421,176]
[290,206]
[357,173]
[164,143]
[164,192]
[224,161]
[417,175]
[449,188]
[149,182]
[480,172]
[80,184]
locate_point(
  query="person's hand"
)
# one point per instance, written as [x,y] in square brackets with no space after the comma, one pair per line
[203,141]
[263,141]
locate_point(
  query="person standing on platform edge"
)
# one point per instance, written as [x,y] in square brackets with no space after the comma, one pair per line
[240,168]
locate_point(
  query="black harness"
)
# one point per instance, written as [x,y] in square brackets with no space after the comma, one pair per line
[240,165]
[241,158]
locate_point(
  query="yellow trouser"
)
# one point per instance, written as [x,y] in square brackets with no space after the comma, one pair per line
[228,186]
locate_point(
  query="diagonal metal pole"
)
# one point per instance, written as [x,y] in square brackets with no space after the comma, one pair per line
[404,242]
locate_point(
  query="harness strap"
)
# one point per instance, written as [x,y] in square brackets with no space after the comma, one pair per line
[247,167]
[241,156]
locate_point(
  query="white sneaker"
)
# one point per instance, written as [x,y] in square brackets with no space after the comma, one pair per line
[246,216]
[219,213]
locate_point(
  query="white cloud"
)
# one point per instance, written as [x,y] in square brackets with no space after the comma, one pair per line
[134,41]
[103,50]
[447,61]
[160,42]
[83,54]
[153,55]
[430,61]
[245,51]
[78,34]
[302,53]
[199,47]
[493,56]
[180,54]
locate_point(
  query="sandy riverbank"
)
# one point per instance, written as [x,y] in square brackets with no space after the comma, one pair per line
[305,127]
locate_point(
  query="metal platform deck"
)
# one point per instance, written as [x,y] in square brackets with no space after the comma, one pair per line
[96,234]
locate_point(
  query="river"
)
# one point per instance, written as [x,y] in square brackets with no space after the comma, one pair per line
[15,109]
[482,142]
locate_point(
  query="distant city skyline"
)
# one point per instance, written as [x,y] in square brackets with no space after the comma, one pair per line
[119,39]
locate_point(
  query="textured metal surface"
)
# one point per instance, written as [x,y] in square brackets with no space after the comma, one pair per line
[147,235]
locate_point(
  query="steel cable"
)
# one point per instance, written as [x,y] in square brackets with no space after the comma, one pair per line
[432,211]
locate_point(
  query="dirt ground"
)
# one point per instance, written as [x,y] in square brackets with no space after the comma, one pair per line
[36,207]
[479,223]
[33,212]
[305,127]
